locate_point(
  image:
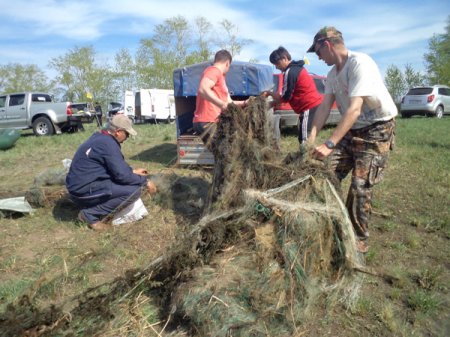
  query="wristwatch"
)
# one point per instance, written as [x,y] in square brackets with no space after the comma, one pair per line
[329,144]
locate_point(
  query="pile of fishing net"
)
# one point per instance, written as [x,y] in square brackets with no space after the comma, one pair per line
[276,242]
[48,186]
[273,248]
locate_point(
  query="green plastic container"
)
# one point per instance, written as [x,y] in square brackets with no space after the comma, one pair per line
[8,137]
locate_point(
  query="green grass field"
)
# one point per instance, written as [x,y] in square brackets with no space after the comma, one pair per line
[52,259]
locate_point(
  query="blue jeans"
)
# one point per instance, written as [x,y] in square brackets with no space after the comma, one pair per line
[98,208]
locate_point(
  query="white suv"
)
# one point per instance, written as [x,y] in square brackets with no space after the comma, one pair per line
[429,101]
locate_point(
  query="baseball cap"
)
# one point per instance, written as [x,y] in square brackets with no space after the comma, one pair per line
[323,34]
[121,121]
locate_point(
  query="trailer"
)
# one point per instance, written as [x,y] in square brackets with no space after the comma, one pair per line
[244,79]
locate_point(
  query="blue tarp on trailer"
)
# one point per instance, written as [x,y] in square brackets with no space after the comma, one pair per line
[243,79]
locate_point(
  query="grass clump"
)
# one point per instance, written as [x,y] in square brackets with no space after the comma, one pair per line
[387,226]
[423,302]
[13,290]
[413,241]
[9,263]
[428,279]
[363,307]
[388,317]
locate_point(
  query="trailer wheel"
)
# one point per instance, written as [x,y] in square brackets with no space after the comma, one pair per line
[42,126]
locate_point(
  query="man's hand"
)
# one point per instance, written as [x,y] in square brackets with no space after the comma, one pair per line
[321,152]
[140,172]
[151,187]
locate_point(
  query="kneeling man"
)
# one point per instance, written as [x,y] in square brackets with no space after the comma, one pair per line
[99,179]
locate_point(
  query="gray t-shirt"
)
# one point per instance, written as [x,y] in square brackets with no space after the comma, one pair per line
[360,77]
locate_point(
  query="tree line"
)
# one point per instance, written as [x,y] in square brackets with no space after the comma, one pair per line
[437,65]
[175,43]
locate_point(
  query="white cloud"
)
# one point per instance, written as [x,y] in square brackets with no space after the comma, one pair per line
[42,29]
[75,20]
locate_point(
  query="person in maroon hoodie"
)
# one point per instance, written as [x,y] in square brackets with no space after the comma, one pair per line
[299,90]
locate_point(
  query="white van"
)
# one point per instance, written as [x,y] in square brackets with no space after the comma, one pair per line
[128,105]
[156,105]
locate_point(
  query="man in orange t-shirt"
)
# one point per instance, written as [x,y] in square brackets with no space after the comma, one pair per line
[212,95]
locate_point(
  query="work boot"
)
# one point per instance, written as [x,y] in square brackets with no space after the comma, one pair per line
[97,226]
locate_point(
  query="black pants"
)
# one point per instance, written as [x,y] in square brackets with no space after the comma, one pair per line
[305,121]
[96,209]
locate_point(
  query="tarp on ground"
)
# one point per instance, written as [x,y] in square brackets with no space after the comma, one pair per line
[18,204]
[243,79]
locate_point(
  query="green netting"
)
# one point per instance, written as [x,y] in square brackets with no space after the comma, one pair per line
[274,247]
[295,250]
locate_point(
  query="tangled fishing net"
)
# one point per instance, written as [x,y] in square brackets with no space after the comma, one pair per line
[274,244]
[48,186]
[281,240]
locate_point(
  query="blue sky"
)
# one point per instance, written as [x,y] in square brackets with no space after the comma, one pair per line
[392,32]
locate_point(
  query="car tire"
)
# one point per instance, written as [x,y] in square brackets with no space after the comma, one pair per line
[439,112]
[42,126]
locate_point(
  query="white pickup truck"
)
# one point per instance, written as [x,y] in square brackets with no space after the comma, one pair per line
[36,110]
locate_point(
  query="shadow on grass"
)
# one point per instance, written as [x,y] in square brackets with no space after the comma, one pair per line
[436,145]
[293,130]
[12,215]
[65,210]
[289,131]
[186,196]
[164,154]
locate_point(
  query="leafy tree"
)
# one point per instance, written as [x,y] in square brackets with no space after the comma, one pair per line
[16,77]
[166,50]
[398,82]
[204,41]
[153,66]
[232,42]
[437,60]
[413,78]
[78,74]
[125,71]
[395,82]
[176,43]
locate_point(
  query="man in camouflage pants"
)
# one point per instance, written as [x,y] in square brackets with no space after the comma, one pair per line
[362,140]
